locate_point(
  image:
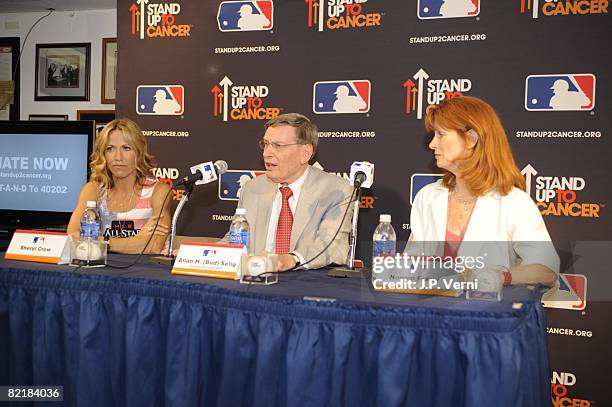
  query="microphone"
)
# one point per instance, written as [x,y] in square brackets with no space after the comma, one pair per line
[204,173]
[360,177]
[362,174]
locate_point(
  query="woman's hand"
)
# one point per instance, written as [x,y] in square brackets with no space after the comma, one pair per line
[160,230]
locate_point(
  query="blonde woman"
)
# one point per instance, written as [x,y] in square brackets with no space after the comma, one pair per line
[129,199]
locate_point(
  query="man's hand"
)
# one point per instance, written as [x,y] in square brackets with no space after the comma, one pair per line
[285,262]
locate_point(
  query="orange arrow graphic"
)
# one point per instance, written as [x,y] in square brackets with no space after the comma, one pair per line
[134,9]
[409,84]
[215,91]
[309,12]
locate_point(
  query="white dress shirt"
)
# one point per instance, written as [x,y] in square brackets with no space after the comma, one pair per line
[296,188]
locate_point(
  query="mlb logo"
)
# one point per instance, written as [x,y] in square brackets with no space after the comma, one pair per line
[232,181]
[245,15]
[570,295]
[333,97]
[39,239]
[207,172]
[428,9]
[161,100]
[122,225]
[561,92]
[418,181]
[209,252]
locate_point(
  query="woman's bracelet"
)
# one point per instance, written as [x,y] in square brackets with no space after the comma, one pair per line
[507,276]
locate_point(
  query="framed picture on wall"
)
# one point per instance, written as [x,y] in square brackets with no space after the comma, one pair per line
[48,117]
[9,78]
[62,72]
[101,117]
[109,70]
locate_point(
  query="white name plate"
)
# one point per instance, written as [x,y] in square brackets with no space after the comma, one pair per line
[217,260]
[39,246]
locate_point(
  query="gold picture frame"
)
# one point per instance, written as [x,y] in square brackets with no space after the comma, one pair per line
[109,70]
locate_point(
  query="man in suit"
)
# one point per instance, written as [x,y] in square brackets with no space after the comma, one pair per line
[294,210]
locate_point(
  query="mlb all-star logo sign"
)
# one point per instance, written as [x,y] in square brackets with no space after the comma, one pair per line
[340,14]
[563,7]
[245,15]
[161,100]
[560,92]
[423,91]
[447,8]
[232,181]
[571,293]
[241,102]
[157,20]
[556,196]
[347,96]
[121,228]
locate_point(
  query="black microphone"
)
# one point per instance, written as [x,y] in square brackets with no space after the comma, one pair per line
[360,177]
[362,174]
[204,173]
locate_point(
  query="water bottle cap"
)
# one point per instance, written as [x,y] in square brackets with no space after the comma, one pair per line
[240,211]
[385,218]
[91,204]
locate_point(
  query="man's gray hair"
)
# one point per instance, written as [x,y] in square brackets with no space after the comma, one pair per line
[307,132]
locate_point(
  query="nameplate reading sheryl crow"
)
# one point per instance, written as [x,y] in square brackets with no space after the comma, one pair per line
[39,246]
[217,260]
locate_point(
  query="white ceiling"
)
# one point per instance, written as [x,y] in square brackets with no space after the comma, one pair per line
[28,6]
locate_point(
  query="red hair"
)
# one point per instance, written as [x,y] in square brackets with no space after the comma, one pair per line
[489,165]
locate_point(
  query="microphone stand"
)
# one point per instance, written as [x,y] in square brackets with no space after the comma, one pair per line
[168,260]
[353,235]
[351,270]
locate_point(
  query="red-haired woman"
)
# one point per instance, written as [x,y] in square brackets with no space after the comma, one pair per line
[481,199]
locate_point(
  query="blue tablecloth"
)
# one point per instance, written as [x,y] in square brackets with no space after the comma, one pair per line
[143,337]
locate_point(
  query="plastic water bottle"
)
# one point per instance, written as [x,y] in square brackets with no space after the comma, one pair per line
[239,229]
[383,242]
[89,233]
[90,222]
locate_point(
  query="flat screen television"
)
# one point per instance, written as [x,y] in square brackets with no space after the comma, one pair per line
[43,166]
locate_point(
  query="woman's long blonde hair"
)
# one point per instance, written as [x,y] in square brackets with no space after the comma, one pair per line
[132,134]
[490,164]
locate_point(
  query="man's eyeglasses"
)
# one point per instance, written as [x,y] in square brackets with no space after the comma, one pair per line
[275,146]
